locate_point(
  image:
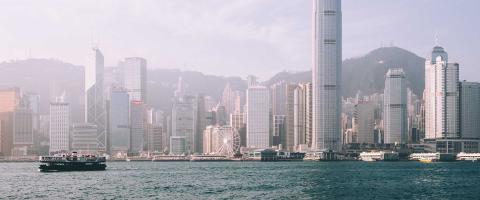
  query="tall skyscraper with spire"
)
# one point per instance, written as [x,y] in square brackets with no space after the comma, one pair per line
[326,75]
[442,96]
[94,97]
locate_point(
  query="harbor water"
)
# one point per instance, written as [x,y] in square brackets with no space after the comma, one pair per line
[246,180]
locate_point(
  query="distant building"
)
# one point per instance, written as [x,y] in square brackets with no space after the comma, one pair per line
[364,123]
[84,138]
[228,99]
[95,111]
[135,78]
[283,105]
[59,127]
[22,131]
[119,113]
[470,110]
[154,134]
[279,129]
[395,103]
[177,145]
[200,123]
[183,124]
[258,117]
[302,114]
[137,126]
[237,122]
[9,101]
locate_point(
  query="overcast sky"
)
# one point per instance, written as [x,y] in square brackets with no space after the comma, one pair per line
[231,37]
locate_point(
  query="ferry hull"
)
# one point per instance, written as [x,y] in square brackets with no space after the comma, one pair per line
[72,167]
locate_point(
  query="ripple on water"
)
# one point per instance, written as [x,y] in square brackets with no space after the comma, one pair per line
[247,180]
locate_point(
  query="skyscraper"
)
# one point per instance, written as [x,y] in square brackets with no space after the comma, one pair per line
[228,99]
[395,103]
[95,111]
[183,125]
[442,98]
[364,122]
[22,131]
[258,117]
[303,114]
[119,121]
[137,126]
[59,127]
[470,110]
[9,101]
[135,78]
[326,75]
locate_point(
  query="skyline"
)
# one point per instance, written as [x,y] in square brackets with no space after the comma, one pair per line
[280,30]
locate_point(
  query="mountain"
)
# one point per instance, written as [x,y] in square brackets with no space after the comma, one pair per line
[367,73]
[51,78]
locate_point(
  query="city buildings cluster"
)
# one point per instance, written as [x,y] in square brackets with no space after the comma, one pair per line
[295,117]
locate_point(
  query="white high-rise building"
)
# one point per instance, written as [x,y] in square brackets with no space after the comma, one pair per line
[135,78]
[470,109]
[326,75]
[258,117]
[95,111]
[59,127]
[395,107]
[442,98]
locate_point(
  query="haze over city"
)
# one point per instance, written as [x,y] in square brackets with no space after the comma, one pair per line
[239,99]
[231,38]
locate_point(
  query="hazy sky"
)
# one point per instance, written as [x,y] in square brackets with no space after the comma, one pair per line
[231,37]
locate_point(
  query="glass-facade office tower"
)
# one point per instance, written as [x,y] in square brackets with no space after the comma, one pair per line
[395,107]
[95,112]
[258,117]
[326,75]
[135,78]
[442,98]
[119,121]
[470,109]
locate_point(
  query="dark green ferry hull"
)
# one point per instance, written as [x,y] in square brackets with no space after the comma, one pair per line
[72,166]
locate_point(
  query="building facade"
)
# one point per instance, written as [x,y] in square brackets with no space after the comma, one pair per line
[470,110]
[258,117]
[59,131]
[135,78]
[95,111]
[395,107]
[119,121]
[442,98]
[326,75]
[84,138]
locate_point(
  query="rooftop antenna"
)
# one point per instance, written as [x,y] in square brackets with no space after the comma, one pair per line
[436,39]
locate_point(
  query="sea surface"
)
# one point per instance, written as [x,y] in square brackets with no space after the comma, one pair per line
[246,180]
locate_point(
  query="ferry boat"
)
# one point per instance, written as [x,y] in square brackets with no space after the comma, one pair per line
[379,156]
[473,157]
[72,162]
[432,157]
[209,158]
[170,158]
